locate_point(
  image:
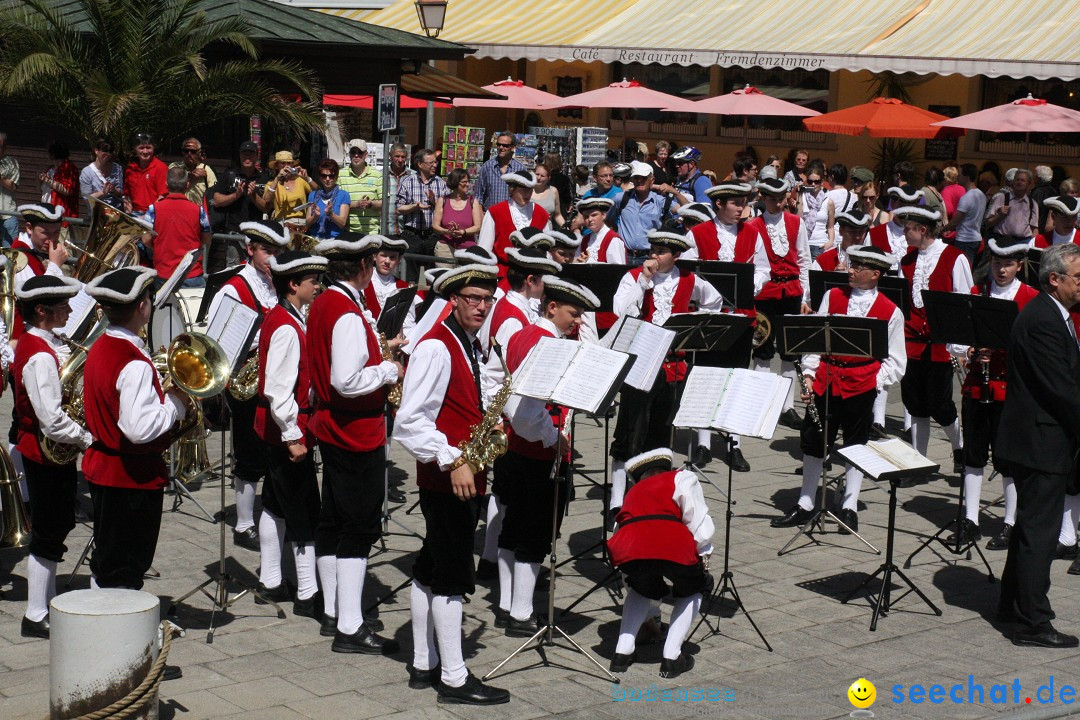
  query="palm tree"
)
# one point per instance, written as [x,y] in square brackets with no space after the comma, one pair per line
[111,68]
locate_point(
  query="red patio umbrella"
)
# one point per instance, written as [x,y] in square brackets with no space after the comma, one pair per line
[364,102]
[625,94]
[882,118]
[1024,115]
[746,102]
[519,96]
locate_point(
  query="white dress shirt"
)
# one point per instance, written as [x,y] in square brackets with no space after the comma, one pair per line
[926,263]
[41,380]
[616,252]
[631,293]
[528,416]
[726,235]
[776,228]
[27,272]
[520,214]
[859,304]
[422,398]
[349,353]
[695,512]
[262,286]
[898,244]
[282,369]
[143,418]
[493,372]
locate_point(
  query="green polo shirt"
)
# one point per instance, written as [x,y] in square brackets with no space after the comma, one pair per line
[366,185]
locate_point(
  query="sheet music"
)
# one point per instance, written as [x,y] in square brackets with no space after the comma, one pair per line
[900,454]
[868,461]
[81,307]
[590,376]
[649,342]
[179,275]
[887,459]
[539,379]
[755,397]
[701,397]
[232,326]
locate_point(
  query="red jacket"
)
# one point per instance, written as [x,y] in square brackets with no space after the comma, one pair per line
[176,221]
[784,278]
[916,329]
[144,187]
[1044,240]
[504,227]
[674,369]
[708,242]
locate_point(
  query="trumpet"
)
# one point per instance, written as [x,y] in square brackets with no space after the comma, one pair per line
[245,383]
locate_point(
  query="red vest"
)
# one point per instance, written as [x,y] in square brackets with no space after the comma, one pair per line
[371,300]
[504,226]
[1044,240]
[879,238]
[848,376]
[674,369]
[265,426]
[506,310]
[916,329]
[602,251]
[973,383]
[784,281]
[34,263]
[356,424]
[459,412]
[29,428]
[708,242]
[247,296]
[113,460]
[176,221]
[519,347]
[651,526]
[829,260]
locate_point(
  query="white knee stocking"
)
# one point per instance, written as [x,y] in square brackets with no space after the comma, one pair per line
[525,575]
[245,504]
[425,652]
[271,539]
[853,478]
[350,588]
[973,480]
[920,434]
[492,528]
[446,612]
[304,557]
[811,476]
[682,615]
[1067,536]
[634,613]
[1008,487]
[788,370]
[327,567]
[880,402]
[952,431]
[618,482]
[505,559]
[40,578]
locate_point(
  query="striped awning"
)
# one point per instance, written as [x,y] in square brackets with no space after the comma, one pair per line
[1023,38]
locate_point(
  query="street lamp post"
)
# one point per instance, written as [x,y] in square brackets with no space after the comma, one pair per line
[432,14]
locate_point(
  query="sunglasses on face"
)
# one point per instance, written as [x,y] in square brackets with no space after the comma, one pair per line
[502,145]
[191,151]
[327,175]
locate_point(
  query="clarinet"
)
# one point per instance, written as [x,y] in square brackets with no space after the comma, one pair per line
[811,407]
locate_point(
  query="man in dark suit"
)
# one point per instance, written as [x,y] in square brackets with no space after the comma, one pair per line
[1037,443]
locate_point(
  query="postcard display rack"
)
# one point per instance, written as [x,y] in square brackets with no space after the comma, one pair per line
[463,148]
[550,140]
[591,144]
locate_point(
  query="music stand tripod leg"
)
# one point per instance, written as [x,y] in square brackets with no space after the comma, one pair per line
[78,563]
[181,492]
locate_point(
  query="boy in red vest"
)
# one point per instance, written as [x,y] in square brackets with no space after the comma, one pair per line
[891,237]
[131,419]
[729,237]
[654,292]
[503,218]
[253,286]
[784,240]
[981,418]
[384,282]
[441,402]
[43,304]
[602,245]
[181,225]
[1063,212]
[567,244]
[927,385]
[845,387]
[290,496]
[40,243]
[535,440]
[664,536]
[350,380]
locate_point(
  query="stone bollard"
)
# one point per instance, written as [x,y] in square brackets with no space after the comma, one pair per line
[102,644]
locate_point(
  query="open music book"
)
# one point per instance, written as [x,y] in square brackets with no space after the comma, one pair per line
[888,459]
[233,326]
[80,318]
[577,375]
[649,342]
[734,400]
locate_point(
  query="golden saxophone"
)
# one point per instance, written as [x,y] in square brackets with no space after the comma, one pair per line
[486,441]
[245,383]
[393,396]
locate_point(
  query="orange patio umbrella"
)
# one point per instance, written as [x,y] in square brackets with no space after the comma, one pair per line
[882,118]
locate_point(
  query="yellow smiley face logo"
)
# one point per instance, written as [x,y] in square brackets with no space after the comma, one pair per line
[862,693]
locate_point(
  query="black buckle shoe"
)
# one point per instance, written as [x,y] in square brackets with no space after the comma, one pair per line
[309,608]
[795,517]
[247,539]
[849,518]
[374,624]
[969,533]
[31,629]
[621,663]
[1067,552]
[487,569]
[1001,540]
[171,672]
[1074,569]
[328,626]
[502,617]
[702,456]
[424,679]
[395,496]
[278,594]
[675,668]
[363,641]
[473,692]
[792,419]
[738,462]
[522,628]
[1047,638]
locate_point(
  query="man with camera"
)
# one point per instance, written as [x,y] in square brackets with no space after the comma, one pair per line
[237,199]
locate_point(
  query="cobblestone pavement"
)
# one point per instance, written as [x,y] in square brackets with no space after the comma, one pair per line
[261,667]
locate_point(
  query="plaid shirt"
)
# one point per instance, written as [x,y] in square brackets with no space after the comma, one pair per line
[392,188]
[413,190]
[490,188]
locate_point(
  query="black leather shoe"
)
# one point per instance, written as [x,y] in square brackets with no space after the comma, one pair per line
[792,419]
[675,668]
[1074,569]
[172,672]
[473,692]
[363,641]
[1001,540]
[424,679]
[795,517]
[1047,638]
[522,628]
[502,617]
[328,626]
[39,629]
[1067,552]
[702,456]
[487,569]
[310,608]
[738,462]
[878,432]
[849,518]
[621,663]
[395,496]
[247,539]
[277,594]
[969,532]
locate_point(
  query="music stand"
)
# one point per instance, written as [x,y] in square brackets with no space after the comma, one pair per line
[979,322]
[894,288]
[733,280]
[214,283]
[826,336]
[602,278]
[1030,267]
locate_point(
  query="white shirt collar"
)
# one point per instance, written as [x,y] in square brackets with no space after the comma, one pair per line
[348,291]
[1008,292]
[47,335]
[385,279]
[545,324]
[120,332]
[261,284]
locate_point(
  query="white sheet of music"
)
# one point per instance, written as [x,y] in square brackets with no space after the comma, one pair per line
[538,379]
[231,326]
[649,342]
[81,307]
[733,400]
[589,377]
[880,458]
[701,397]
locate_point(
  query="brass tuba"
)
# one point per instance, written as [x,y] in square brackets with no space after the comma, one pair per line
[14,522]
[762,330]
[71,396]
[16,261]
[110,241]
[486,441]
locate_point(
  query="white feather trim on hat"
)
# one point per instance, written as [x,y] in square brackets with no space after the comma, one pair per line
[870,255]
[669,239]
[658,456]
[366,244]
[532,262]
[1018,249]
[262,231]
[901,194]
[570,291]
[474,271]
[67,288]
[697,211]
[141,277]
[729,189]
[917,214]
[476,254]
[521,178]
[1063,204]
[595,203]
[42,211]
[316,263]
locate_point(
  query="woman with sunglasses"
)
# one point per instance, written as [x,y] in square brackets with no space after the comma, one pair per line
[103,179]
[458,216]
[328,204]
[868,198]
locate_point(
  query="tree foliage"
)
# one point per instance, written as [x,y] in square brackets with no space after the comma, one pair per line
[156,66]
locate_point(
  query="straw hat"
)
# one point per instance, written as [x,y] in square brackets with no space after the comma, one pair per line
[283,157]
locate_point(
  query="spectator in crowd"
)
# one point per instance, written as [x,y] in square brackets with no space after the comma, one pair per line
[621,171]
[490,188]
[603,181]
[144,177]
[1070,187]
[399,169]
[1044,188]
[547,196]
[934,182]
[744,168]
[416,198]
[9,183]
[1013,211]
[839,199]
[659,161]
[200,175]
[287,191]
[811,198]
[868,203]
[953,190]
[363,183]
[691,181]
[237,199]
[797,162]
[181,225]
[774,160]
[582,181]
[904,173]
[457,216]
[103,179]
[60,183]
[989,180]
[860,178]
[560,181]
[967,221]
[639,211]
[329,208]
